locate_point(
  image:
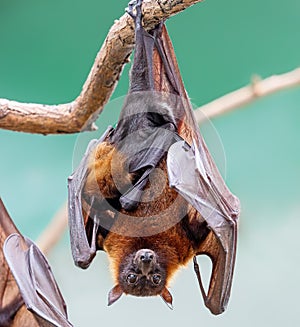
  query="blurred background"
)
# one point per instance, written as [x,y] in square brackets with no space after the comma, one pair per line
[47,49]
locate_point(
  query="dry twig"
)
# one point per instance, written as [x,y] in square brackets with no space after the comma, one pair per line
[54,231]
[243,96]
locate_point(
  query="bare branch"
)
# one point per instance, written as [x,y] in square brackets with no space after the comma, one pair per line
[54,231]
[78,115]
[241,97]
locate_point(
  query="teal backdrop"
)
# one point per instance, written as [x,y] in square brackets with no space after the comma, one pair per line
[46,51]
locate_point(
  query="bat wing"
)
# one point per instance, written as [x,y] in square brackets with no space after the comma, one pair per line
[37,285]
[190,176]
[12,308]
[152,112]
[193,173]
[83,240]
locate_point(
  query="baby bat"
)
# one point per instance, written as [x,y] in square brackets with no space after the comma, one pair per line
[148,191]
[29,295]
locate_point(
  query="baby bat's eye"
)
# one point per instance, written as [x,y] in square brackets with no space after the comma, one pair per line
[156,279]
[132,278]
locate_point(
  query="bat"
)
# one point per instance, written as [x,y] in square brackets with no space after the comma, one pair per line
[148,192]
[29,294]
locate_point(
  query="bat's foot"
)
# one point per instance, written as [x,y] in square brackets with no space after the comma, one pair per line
[135,5]
[157,32]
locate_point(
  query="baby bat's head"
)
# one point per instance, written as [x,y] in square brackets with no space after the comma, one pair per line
[141,274]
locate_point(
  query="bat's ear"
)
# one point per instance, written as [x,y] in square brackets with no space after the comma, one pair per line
[114,294]
[167,297]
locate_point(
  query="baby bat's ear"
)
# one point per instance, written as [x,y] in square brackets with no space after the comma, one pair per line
[114,294]
[167,297]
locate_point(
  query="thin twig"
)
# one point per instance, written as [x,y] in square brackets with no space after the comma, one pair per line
[80,114]
[54,231]
[245,95]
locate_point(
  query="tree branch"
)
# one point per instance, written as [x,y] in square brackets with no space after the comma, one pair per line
[54,231]
[243,96]
[79,114]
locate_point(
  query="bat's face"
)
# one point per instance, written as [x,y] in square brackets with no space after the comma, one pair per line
[141,274]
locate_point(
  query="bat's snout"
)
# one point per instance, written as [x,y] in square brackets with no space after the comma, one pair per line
[145,256]
[145,259]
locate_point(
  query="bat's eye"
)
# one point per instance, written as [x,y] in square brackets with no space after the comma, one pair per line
[132,278]
[156,278]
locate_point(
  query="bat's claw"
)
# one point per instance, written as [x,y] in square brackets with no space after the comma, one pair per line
[134,5]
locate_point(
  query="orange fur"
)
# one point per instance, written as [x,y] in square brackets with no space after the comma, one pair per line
[172,245]
[107,173]
[154,224]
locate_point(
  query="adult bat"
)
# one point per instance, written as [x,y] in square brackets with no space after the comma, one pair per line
[148,191]
[26,281]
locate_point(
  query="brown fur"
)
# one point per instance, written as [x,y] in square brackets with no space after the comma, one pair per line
[107,174]
[172,246]
[156,224]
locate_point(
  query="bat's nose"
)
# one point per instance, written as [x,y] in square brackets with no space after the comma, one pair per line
[145,256]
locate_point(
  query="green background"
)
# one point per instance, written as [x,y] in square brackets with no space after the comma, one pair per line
[46,51]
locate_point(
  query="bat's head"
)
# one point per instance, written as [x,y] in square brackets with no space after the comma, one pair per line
[141,274]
